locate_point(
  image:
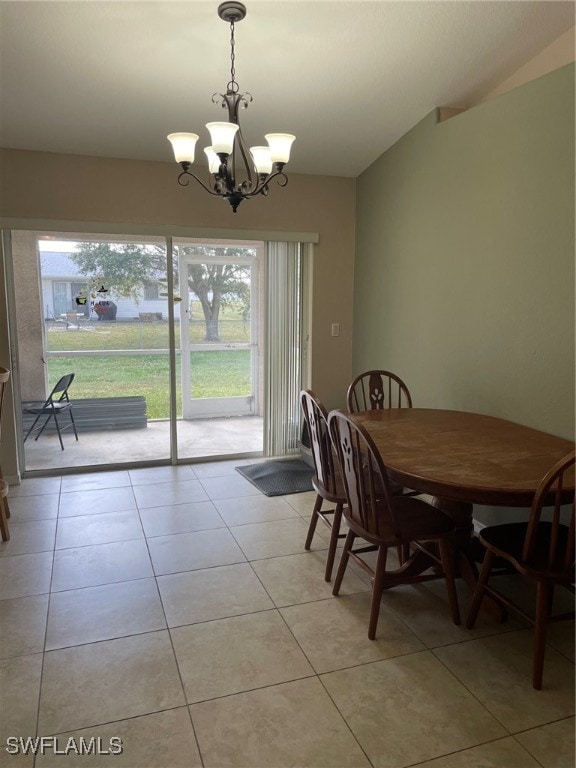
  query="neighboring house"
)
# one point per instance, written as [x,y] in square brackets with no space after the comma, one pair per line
[62,282]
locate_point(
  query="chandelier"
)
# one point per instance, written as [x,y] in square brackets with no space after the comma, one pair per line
[236,171]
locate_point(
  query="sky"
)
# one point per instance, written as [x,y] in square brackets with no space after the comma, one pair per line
[59,246]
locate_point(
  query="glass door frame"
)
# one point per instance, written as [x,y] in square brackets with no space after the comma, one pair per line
[225,406]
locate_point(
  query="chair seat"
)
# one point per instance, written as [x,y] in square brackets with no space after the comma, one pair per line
[507,541]
[43,408]
[417,521]
[337,496]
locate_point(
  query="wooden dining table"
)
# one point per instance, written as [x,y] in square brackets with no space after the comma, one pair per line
[461,459]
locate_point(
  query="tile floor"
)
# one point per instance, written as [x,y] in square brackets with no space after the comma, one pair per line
[176,609]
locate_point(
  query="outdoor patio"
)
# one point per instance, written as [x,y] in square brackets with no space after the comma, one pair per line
[198,439]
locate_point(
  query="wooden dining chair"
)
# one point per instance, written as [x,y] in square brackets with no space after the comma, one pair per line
[384,520]
[327,481]
[4,487]
[542,550]
[376,390]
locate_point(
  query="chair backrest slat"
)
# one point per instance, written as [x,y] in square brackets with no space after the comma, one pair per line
[377,390]
[551,493]
[364,476]
[316,416]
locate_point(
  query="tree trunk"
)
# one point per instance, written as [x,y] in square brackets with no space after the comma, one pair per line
[211,318]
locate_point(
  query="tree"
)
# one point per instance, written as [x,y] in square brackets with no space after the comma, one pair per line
[125,268]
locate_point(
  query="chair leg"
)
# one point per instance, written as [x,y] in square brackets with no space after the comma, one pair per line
[377,591]
[4,531]
[333,542]
[73,423]
[6,505]
[343,561]
[27,435]
[543,599]
[403,551]
[313,521]
[479,590]
[43,427]
[57,430]
[447,555]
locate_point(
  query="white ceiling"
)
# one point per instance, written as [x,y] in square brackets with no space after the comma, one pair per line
[348,78]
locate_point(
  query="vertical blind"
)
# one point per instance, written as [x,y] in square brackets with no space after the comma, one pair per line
[283,342]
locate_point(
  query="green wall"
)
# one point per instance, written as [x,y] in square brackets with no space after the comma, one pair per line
[464,274]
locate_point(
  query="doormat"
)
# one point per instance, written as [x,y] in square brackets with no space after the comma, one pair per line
[279,478]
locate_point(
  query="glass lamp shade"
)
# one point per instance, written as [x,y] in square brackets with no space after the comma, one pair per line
[183,145]
[213,160]
[222,136]
[262,159]
[280,144]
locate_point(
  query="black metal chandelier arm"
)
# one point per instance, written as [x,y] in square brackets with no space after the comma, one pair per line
[247,158]
[281,177]
[184,182]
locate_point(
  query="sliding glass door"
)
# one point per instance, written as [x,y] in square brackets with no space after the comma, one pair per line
[181,349]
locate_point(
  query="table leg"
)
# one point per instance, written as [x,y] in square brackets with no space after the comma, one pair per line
[467,552]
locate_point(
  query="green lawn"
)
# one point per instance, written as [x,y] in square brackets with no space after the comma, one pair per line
[95,334]
[214,374]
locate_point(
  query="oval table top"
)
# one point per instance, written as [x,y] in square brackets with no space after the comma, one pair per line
[463,456]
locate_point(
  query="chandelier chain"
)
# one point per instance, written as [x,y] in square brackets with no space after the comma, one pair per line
[232,85]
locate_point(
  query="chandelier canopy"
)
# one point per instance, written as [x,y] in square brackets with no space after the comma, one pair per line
[236,171]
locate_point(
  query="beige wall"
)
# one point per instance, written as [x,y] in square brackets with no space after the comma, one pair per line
[464,281]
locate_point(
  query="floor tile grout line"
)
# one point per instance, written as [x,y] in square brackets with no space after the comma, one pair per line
[264,687]
[121,720]
[467,688]
[466,749]
[175,655]
[550,722]
[540,763]
[483,637]
[41,682]
[348,726]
